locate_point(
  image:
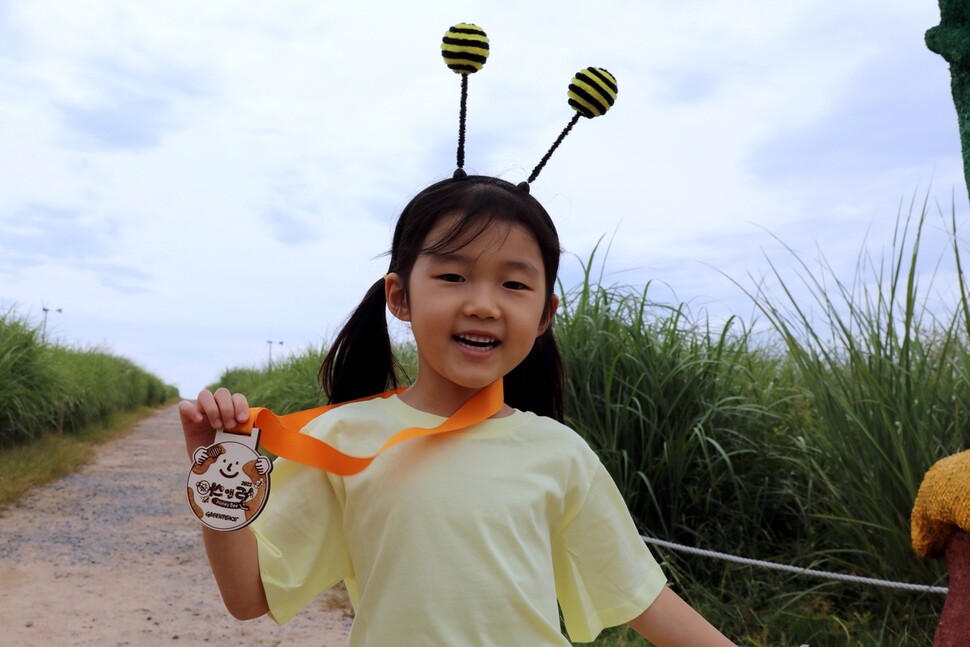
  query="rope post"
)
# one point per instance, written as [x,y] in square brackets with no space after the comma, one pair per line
[954,626]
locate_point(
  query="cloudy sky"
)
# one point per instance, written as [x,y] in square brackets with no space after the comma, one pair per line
[188,180]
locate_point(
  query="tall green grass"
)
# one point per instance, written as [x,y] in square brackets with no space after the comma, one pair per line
[27,381]
[291,384]
[694,423]
[284,386]
[46,388]
[885,368]
[686,418]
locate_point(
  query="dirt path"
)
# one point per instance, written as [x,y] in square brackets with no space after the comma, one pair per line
[112,555]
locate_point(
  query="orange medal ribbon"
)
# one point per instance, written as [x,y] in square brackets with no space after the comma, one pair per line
[281,434]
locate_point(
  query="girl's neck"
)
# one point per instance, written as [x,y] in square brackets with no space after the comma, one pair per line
[442,402]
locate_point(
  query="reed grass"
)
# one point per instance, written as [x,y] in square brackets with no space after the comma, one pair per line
[686,418]
[885,371]
[284,386]
[291,384]
[27,381]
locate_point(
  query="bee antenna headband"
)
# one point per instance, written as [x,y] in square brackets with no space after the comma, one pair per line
[465,50]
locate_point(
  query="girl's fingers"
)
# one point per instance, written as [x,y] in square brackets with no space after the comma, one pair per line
[226,408]
[241,406]
[233,407]
[195,423]
[189,412]
[207,404]
[222,409]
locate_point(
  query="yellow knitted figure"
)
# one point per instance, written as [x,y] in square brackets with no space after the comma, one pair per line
[942,505]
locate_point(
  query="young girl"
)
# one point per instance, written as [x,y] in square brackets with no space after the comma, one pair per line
[475,537]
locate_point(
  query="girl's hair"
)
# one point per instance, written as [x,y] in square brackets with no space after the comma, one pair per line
[361,362]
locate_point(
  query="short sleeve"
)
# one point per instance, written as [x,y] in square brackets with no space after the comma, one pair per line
[605,574]
[302,551]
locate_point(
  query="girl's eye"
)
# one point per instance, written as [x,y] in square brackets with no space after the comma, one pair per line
[515,285]
[452,278]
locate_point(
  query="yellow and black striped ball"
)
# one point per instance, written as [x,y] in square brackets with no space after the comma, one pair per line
[465,48]
[592,91]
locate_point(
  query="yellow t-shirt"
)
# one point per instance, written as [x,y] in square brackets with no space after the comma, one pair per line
[466,538]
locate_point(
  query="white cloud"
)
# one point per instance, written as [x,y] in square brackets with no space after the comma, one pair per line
[187,180]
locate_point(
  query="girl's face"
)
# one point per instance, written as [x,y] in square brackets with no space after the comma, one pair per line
[475,312]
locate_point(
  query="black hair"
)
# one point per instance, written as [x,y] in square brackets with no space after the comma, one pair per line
[361,361]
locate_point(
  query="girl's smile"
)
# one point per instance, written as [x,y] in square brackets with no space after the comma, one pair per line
[475,310]
[476,342]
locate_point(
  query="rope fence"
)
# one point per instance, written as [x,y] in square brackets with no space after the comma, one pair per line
[798,570]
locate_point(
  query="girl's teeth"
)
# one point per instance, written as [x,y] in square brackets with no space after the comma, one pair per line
[477,342]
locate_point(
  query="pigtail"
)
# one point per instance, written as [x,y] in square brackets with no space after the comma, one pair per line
[538,382]
[360,361]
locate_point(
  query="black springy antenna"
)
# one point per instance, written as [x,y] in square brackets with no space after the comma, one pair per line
[463,111]
[555,145]
[465,50]
[591,93]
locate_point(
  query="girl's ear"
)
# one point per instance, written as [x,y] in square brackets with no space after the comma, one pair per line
[396,297]
[547,320]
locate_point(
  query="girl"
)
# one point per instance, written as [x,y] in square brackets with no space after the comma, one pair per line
[477,537]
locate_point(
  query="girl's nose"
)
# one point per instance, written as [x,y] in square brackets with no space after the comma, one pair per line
[481,302]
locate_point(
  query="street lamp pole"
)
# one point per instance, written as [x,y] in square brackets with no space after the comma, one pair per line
[269,346]
[43,328]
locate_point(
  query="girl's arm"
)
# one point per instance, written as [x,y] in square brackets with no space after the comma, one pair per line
[233,556]
[235,564]
[671,622]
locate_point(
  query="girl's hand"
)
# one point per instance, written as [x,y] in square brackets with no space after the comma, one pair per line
[211,411]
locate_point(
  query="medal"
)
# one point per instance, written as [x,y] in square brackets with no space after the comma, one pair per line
[229,481]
